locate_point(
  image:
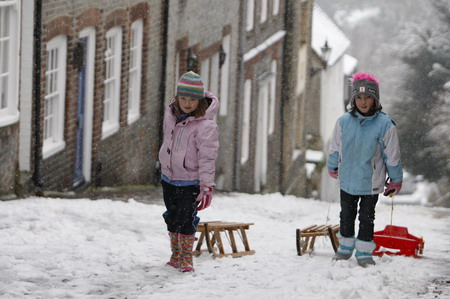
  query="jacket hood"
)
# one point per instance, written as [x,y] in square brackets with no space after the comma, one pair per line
[211,112]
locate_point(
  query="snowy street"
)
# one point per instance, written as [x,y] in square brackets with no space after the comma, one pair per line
[80,248]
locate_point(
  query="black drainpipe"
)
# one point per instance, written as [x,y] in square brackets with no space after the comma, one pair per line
[239,96]
[286,94]
[37,34]
[162,85]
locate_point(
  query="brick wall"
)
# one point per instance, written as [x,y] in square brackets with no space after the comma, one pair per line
[9,148]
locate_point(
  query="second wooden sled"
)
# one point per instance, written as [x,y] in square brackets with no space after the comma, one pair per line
[305,238]
[210,233]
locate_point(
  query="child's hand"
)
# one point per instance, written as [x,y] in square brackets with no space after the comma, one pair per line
[393,188]
[204,197]
[333,173]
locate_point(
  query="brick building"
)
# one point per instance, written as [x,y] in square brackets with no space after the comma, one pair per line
[259,138]
[93,115]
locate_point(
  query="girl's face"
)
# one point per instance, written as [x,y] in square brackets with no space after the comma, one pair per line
[364,103]
[187,104]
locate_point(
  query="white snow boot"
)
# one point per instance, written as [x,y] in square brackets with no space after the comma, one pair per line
[364,251]
[345,249]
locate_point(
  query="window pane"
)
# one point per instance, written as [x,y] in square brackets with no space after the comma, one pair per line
[3,92]
[109,91]
[263,11]
[49,118]
[55,82]
[107,71]
[132,90]
[276,7]
[4,61]
[132,58]
[5,21]
[55,57]
[250,14]
[2,20]
[111,45]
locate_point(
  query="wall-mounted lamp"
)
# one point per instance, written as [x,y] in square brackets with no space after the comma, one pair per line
[192,60]
[326,50]
[314,70]
[222,56]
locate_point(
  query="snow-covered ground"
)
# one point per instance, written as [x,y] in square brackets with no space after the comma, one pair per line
[80,248]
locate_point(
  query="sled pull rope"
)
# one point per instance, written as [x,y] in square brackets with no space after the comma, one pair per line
[392,205]
[329,205]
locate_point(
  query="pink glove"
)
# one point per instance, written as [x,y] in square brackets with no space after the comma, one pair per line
[204,197]
[333,173]
[393,188]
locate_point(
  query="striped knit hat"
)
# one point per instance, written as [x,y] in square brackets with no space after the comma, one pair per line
[190,85]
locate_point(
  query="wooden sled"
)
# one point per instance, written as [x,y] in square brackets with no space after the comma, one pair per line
[211,232]
[306,237]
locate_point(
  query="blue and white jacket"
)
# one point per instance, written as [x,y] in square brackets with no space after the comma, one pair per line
[362,149]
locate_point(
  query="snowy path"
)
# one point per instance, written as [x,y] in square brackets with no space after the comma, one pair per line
[52,248]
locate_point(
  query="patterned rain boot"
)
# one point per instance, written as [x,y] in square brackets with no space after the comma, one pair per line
[175,246]
[187,244]
[346,247]
[364,251]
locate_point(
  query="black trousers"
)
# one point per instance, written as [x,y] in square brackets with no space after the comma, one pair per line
[181,215]
[349,206]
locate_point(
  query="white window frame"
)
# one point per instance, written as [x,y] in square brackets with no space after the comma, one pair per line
[214,74]
[301,70]
[55,96]
[262,133]
[177,71]
[225,76]
[113,64]
[135,71]
[250,15]
[210,72]
[9,61]
[204,72]
[272,96]
[245,133]
[263,16]
[275,7]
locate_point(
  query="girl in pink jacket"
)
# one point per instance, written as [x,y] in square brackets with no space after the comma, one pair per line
[188,157]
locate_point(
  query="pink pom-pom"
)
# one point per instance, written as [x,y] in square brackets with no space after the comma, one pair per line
[363,76]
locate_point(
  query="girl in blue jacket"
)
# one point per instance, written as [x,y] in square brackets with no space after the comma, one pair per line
[363,147]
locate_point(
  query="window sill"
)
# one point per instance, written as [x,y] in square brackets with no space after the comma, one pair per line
[9,119]
[50,149]
[133,118]
[109,129]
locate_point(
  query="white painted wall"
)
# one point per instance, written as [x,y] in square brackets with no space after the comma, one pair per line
[331,107]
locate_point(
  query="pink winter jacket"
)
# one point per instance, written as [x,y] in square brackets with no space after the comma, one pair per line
[190,147]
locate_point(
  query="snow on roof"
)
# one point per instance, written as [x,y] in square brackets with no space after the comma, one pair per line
[264,45]
[350,64]
[324,29]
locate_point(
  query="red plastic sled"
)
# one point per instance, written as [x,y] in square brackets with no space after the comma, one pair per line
[395,240]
